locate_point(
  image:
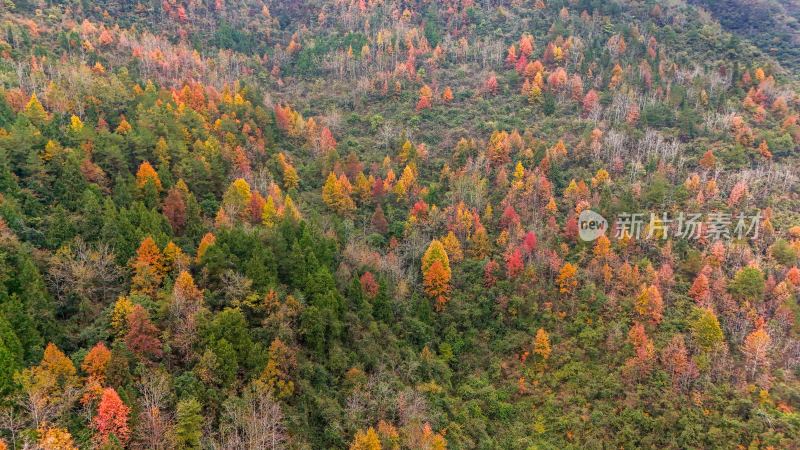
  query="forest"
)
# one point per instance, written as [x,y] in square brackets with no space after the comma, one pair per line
[362,224]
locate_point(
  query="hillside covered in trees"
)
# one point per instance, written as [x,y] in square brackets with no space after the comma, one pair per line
[358,224]
[772,25]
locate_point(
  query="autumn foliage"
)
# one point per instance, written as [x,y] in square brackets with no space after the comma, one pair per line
[437,287]
[146,174]
[142,336]
[436,273]
[111,421]
[567,279]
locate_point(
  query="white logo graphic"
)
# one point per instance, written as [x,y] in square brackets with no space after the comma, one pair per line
[591,225]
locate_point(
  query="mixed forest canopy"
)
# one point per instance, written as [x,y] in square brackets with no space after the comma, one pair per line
[354,224]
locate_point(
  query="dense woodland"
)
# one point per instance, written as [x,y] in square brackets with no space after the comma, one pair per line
[772,25]
[333,224]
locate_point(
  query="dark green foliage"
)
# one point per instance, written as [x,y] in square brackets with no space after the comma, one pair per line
[190,422]
[784,253]
[11,355]
[658,115]
[770,25]
[748,284]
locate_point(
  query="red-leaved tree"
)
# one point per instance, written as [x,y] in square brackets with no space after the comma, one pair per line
[111,421]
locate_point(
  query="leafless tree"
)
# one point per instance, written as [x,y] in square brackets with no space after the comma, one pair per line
[235,285]
[411,407]
[88,272]
[254,421]
[155,428]
[791,354]
[42,407]
[12,423]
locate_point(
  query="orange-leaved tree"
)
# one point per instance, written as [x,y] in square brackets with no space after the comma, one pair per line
[147,174]
[541,344]
[111,422]
[148,267]
[94,364]
[436,273]
[567,279]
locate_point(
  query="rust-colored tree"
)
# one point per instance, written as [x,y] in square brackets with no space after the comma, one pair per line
[763,150]
[641,364]
[327,143]
[255,209]
[437,283]
[369,285]
[708,161]
[96,361]
[379,222]
[174,209]
[491,84]
[676,360]
[490,273]
[590,101]
[425,95]
[700,291]
[142,338]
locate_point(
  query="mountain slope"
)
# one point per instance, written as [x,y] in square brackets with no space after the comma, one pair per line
[356,224]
